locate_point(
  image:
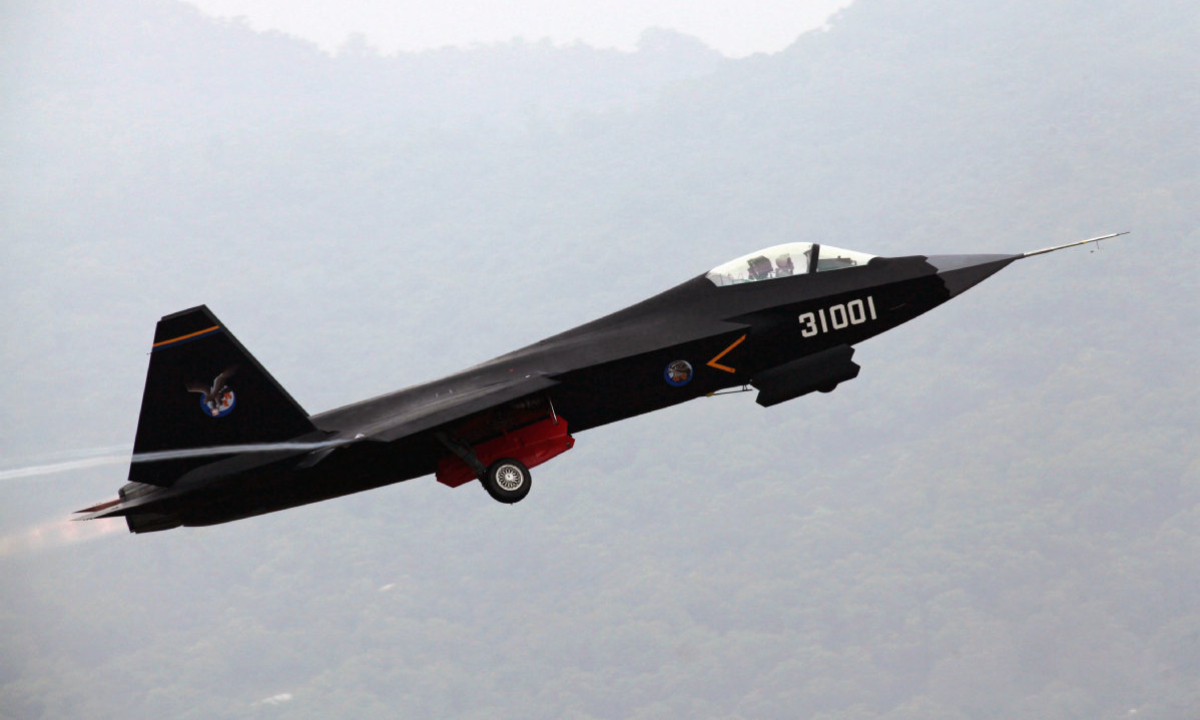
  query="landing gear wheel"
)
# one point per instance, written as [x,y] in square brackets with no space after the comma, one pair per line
[507,480]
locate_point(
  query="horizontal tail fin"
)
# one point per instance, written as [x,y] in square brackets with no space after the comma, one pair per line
[203,389]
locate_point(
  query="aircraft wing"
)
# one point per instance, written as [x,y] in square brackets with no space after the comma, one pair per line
[415,413]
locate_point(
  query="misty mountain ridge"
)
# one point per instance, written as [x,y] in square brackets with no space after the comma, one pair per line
[997,518]
[190,73]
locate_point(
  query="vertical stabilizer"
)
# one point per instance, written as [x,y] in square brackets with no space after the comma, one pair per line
[203,389]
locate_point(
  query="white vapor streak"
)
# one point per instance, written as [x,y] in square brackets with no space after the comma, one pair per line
[106,459]
[78,453]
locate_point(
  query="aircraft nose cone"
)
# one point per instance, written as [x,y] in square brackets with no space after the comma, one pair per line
[962,272]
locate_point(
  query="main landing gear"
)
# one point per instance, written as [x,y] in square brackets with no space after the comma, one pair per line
[507,481]
[502,463]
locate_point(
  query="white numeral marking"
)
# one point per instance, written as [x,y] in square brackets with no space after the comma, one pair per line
[808,325]
[841,316]
[837,316]
[858,315]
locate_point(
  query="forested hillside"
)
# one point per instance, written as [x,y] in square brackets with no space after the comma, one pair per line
[999,518]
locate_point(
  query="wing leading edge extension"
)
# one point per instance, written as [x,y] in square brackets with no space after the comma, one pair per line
[426,408]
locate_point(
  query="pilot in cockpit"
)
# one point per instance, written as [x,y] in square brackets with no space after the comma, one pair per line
[784,266]
[786,260]
[760,268]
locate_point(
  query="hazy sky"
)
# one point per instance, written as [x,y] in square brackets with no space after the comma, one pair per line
[734,28]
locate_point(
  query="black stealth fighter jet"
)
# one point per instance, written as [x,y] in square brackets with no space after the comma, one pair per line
[218,439]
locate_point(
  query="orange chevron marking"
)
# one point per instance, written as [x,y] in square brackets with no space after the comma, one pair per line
[714,364]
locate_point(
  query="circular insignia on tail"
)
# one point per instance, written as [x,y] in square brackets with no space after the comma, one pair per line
[219,406]
[216,398]
[678,373]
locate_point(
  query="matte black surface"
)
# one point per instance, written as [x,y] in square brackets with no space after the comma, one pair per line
[823,371]
[787,336]
[192,349]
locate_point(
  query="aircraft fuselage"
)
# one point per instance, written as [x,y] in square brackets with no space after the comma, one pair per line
[752,322]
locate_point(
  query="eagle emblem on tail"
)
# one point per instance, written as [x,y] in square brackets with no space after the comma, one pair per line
[216,399]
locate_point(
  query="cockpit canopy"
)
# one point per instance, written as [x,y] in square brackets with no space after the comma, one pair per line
[783,261]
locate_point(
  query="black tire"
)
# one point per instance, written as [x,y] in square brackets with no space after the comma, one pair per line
[508,481]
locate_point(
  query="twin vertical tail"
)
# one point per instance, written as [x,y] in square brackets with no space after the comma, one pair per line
[204,390]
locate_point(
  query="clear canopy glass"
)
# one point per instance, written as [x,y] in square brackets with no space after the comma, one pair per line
[785,260]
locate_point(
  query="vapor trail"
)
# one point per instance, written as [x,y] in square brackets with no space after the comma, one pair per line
[103,456]
[78,453]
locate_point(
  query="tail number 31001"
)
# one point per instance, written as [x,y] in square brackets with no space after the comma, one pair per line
[836,317]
